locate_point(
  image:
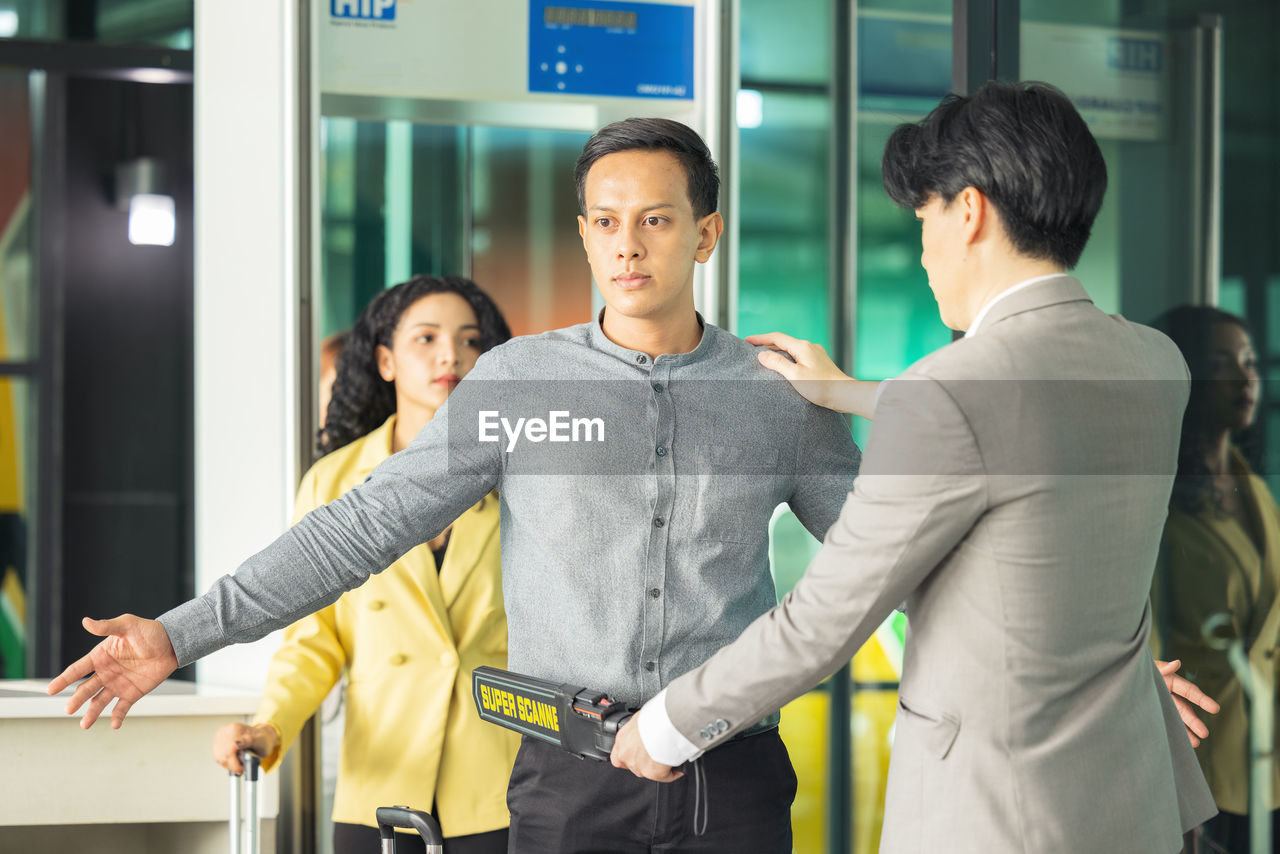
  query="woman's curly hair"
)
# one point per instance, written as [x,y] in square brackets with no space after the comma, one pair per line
[362,399]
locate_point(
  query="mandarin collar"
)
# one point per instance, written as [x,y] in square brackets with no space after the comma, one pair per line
[602,342]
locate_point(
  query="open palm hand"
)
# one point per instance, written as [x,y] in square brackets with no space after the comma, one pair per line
[134,657]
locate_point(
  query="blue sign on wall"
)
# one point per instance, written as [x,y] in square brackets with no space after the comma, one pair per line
[631,50]
[366,10]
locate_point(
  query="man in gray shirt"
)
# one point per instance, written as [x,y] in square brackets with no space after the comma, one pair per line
[638,459]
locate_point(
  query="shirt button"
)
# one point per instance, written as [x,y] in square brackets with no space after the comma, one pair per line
[657,386]
[650,665]
[662,450]
[447,659]
[655,593]
[658,523]
[641,359]
[398,659]
[377,605]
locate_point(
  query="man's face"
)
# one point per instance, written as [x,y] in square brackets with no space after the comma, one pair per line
[641,235]
[941,242]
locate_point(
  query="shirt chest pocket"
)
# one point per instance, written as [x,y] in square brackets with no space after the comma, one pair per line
[735,489]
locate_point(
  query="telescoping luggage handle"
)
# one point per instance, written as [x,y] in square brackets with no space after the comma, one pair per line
[390,818]
[244,787]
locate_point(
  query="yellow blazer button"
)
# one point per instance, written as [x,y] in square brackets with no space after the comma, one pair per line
[399,658]
[377,605]
[448,659]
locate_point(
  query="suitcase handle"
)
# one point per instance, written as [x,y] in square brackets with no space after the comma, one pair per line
[238,828]
[427,827]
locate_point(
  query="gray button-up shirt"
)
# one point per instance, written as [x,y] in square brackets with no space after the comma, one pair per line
[635,493]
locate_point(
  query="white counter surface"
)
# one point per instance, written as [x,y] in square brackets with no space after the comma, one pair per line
[26,698]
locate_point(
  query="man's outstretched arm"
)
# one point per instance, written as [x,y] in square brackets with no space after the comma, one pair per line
[409,498]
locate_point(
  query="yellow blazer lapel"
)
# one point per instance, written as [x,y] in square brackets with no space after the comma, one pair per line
[1264,625]
[1237,543]
[418,564]
[471,535]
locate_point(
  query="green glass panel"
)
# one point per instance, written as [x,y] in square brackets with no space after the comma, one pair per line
[391,207]
[791,547]
[783,219]
[918,7]
[786,42]
[1231,295]
[897,317]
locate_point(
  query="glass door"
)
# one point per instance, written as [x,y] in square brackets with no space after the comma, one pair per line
[399,199]
[1187,118]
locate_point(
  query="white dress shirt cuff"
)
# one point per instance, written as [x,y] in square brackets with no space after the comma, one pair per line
[661,738]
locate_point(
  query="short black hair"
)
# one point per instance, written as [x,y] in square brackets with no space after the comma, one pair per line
[1024,146]
[655,135]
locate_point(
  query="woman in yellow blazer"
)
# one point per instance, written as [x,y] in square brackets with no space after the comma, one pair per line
[409,638]
[1221,556]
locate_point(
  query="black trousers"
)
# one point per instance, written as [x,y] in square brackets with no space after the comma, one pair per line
[360,839]
[1229,832]
[738,795]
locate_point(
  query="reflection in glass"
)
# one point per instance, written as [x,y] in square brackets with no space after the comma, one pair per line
[163,23]
[498,203]
[392,205]
[525,247]
[782,279]
[1216,595]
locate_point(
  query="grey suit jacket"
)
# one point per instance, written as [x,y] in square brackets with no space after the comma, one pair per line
[1013,493]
